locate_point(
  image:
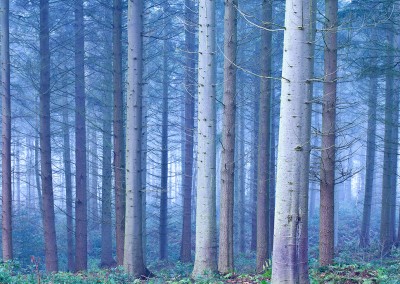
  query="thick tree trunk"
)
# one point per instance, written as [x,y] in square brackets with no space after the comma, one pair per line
[289,258]
[369,162]
[264,139]
[68,188]
[133,255]
[206,252]
[190,87]
[45,142]
[119,145]
[80,143]
[6,133]
[327,185]
[164,142]
[226,257]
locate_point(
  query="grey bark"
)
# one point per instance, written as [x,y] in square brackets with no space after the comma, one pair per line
[289,258]
[206,252]
[6,133]
[133,252]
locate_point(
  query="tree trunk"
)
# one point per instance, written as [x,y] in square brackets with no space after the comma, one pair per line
[226,257]
[80,143]
[389,152]
[289,258]
[133,256]
[254,170]
[94,172]
[327,185]
[190,87]
[45,142]
[68,188]
[106,218]
[164,142]
[370,162]
[6,133]
[264,139]
[119,145]
[206,252]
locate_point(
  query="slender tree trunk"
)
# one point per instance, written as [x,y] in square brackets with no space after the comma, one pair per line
[389,153]
[37,174]
[242,179]
[164,142]
[327,185]
[190,87]
[106,223]
[289,258]
[68,188]
[80,143]
[226,257]
[17,152]
[45,142]
[370,162]
[254,166]
[6,133]
[206,252]
[133,255]
[264,139]
[92,202]
[119,146]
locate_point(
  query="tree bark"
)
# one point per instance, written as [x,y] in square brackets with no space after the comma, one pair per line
[164,141]
[225,256]
[190,87]
[68,188]
[119,145]
[80,143]
[106,218]
[264,138]
[6,133]
[289,258]
[370,162]
[133,255]
[206,253]
[45,142]
[327,185]
[389,153]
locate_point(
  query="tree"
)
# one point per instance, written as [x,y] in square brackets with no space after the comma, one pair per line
[205,256]
[68,188]
[370,161]
[327,185]
[164,141]
[118,125]
[133,255]
[45,142]
[6,132]
[80,143]
[387,233]
[264,138]
[225,257]
[190,89]
[289,258]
